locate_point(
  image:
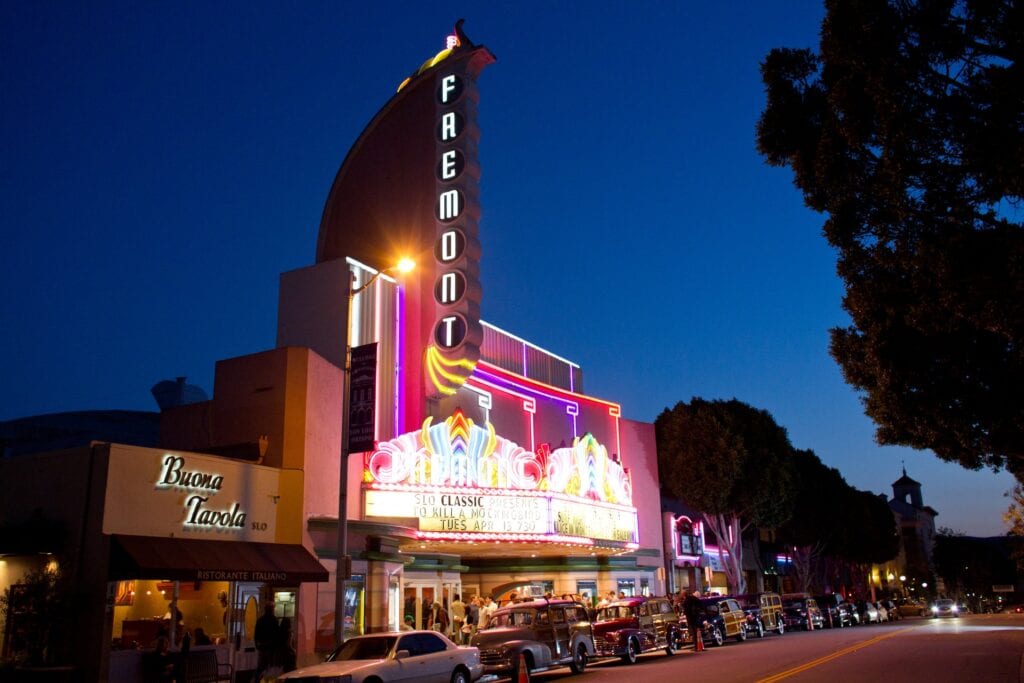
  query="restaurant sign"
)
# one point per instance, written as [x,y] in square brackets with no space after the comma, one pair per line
[154,492]
[461,481]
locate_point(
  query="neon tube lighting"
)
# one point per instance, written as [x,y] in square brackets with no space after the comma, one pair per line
[555,392]
[530,344]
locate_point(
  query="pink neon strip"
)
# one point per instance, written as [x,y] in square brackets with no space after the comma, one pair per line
[399,361]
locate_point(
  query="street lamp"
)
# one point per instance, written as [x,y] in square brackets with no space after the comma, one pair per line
[343,571]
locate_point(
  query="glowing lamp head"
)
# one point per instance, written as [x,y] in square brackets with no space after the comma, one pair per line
[405,265]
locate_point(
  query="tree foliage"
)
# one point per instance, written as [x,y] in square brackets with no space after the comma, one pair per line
[973,565]
[810,533]
[831,519]
[38,612]
[907,129]
[732,462]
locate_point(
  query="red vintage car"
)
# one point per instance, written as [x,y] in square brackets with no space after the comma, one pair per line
[630,626]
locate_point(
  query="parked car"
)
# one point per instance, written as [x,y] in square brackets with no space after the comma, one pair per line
[539,634]
[801,611]
[626,628]
[868,612]
[764,613]
[883,613]
[409,655]
[912,608]
[721,618]
[945,608]
[836,612]
[894,613]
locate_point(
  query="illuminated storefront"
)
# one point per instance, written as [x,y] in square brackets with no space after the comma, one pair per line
[491,469]
[150,531]
[481,467]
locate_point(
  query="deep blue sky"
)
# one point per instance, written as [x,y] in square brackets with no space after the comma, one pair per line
[163,163]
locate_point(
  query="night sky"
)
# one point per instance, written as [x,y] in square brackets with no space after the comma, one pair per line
[163,163]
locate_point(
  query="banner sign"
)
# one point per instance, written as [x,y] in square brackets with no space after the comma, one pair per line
[362,399]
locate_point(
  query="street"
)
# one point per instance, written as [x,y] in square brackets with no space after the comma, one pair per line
[970,648]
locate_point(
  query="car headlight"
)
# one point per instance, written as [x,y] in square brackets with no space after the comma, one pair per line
[935,608]
[955,608]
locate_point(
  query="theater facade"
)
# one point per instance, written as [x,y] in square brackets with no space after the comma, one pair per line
[478,464]
[473,463]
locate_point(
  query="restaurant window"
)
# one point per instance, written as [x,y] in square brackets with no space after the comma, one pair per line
[627,586]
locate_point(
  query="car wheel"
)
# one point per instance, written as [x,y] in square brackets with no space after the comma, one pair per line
[760,630]
[742,635]
[579,659]
[632,650]
[717,637]
[671,644]
[461,676]
[781,628]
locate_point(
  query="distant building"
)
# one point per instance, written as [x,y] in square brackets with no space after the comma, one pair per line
[916,523]
[58,431]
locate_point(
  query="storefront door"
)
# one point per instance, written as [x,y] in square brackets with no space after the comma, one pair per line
[419,596]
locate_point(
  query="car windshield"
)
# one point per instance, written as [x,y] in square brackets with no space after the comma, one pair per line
[513,618]
[944,603]
[370,647]
[794,604]
[614,612]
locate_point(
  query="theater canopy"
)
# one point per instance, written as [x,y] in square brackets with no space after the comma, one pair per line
[145,557]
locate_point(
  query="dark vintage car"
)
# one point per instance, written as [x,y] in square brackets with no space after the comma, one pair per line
[836,612]
[720,618]
[627,627]
[764,613]
[801,611]
[536,635]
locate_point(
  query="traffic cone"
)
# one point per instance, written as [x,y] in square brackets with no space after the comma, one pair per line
[698,642]
[522,671]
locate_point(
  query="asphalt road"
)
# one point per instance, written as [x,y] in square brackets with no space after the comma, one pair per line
[972,648]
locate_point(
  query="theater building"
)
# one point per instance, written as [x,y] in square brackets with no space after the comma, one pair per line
[474,463]
[487,468]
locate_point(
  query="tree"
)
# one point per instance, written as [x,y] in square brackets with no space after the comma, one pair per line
[811,531]
[733,463]
[907,130]
[971,566]
[38,611]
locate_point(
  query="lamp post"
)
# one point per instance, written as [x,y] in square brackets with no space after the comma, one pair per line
[343,571]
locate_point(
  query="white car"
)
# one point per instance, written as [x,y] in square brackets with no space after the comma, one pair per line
[421,656]
[945,608]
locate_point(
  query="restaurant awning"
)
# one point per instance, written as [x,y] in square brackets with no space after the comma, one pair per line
[147,557]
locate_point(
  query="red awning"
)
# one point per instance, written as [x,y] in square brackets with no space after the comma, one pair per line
[148,557]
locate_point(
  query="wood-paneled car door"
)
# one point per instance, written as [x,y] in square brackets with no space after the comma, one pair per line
[562,645]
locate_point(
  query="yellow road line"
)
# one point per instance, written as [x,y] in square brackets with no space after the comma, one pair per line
[828,658]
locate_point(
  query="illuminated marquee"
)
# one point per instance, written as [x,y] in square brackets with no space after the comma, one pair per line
[461,478]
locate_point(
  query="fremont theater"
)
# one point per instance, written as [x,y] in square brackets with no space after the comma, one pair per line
[472,461]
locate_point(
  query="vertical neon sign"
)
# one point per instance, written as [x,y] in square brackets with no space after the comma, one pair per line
[454,345]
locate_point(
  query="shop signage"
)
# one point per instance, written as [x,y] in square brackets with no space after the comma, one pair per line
[152,492]
[253,575]
[462,478]
[362,430]
[457,333]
